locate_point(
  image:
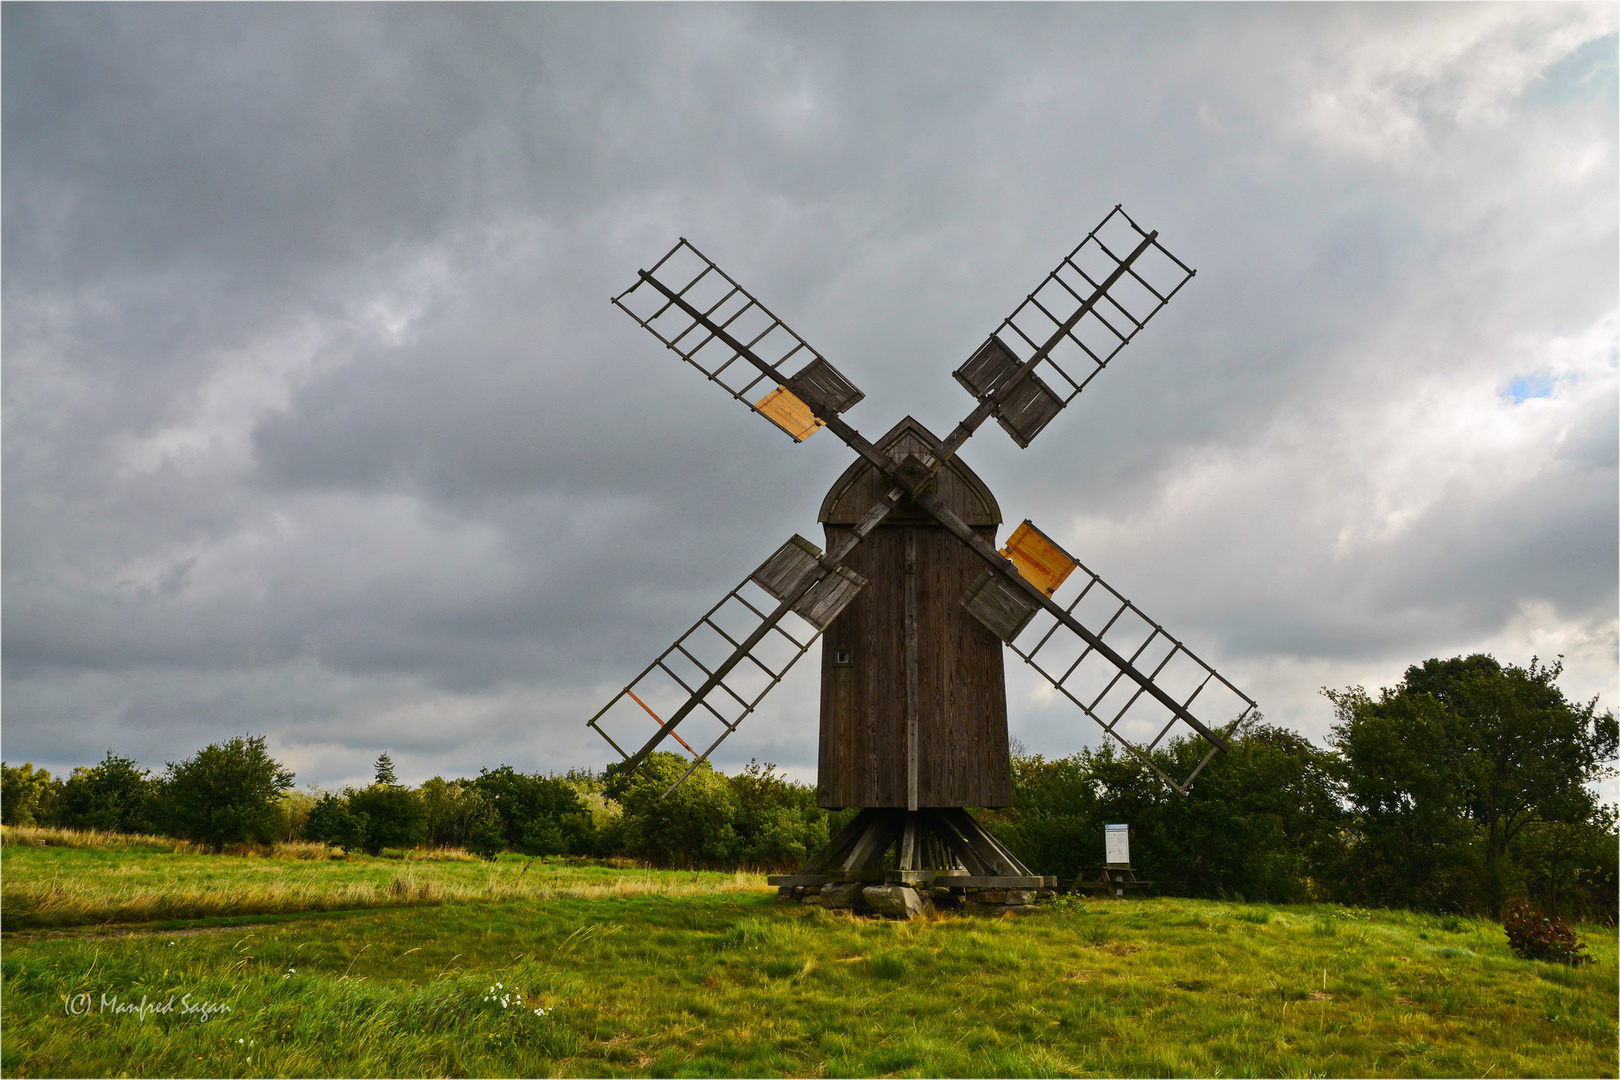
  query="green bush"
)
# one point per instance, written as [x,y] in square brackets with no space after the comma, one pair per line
[757,818]
[487,839]
[116,795]
[1570,867]
[457,811]
[226,793]
[332,821]
[293,814]
[777,822]
[692,826]
[395,816]
[28,796]
[1258,823]
[540,815]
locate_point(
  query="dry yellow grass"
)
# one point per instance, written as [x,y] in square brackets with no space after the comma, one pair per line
[57,887]
[43,836]
[95,839]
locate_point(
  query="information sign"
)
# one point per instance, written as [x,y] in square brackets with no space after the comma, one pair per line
[1117,844]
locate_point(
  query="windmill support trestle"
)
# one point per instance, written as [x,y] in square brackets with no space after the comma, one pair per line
[929,849]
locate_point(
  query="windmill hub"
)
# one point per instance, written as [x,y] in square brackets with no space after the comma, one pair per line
[915,600]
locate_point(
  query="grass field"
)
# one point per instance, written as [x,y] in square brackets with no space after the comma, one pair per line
[77,886]
[334,968]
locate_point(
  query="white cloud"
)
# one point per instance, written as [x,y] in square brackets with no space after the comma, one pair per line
[1381,89]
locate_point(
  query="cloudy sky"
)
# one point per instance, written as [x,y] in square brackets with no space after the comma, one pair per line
[318,423]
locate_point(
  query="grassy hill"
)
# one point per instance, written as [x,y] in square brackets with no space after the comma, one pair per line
[384,967]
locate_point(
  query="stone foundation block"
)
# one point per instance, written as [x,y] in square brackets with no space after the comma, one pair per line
[893,901]
[842,895]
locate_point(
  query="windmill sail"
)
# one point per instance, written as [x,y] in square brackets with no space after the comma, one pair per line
[1072,325]
[714,324]
[723,666]
[1100,651]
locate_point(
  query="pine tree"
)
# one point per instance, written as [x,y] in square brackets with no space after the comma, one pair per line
[385,770]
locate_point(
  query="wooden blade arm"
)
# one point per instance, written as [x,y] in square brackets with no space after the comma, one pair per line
[964,532]
[830,562]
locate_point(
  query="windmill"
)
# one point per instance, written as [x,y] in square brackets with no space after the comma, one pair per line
[914,599]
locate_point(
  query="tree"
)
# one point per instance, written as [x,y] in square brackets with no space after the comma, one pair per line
[487,839]
[396,816]
[1447,770]
[28,796]
[692,826]
[1410,846]
[778,823]
[331,821]
[1054,824]
[1259,821]
[1572,868]
[385,770]
[116,795]
[293,814]
[603,817]
[227,793]
[540,815]
[457,810]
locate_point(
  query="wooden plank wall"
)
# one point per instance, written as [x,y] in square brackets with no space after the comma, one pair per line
[961,697]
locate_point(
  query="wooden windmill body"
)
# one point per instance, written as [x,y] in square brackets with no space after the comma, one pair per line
[915,602]
[913,689]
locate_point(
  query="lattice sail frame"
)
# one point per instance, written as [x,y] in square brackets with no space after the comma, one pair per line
[1147,284]
[1104,692]
[731,621]
[692,277]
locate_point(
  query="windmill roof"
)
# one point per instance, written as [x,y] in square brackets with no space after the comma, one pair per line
[861,485]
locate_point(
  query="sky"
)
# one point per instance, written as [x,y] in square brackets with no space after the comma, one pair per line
[318,423]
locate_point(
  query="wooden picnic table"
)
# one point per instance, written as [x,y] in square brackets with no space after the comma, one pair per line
[1113,881]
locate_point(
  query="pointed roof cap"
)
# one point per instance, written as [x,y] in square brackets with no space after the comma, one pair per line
[861,485]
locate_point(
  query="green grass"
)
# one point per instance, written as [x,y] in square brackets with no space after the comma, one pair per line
[709,975]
